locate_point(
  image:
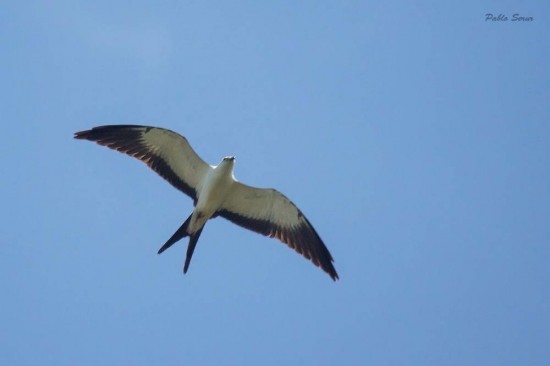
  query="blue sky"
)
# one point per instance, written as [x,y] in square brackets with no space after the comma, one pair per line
[414,136]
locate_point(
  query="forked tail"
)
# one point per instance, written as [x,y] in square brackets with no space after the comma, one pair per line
[180,234]
[191,248]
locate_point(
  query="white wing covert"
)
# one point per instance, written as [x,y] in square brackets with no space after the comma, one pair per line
[166,152]
[269,212]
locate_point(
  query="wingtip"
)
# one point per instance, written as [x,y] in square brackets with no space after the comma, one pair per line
[80,135]
[329,269]
[331,272]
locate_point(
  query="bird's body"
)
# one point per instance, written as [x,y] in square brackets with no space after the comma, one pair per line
[215,186]
[215,191]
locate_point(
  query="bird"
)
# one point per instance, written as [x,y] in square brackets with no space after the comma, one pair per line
[215,191]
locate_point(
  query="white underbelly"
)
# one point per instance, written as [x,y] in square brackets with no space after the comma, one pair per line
[210,198]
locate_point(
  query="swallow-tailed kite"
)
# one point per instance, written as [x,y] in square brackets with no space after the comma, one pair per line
[215,191]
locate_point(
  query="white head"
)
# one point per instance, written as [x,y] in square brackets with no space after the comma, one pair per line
[227,163]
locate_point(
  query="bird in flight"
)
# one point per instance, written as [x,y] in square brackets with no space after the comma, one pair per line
[215,191]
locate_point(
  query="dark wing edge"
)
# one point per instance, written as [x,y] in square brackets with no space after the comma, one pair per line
[302,238]
[129,139]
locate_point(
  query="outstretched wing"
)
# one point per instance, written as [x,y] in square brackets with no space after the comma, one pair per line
[270,213]
[166,152]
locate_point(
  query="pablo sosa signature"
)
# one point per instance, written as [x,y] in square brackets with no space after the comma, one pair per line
[504,18]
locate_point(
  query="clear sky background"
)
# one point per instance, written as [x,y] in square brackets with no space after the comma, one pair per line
[414,135]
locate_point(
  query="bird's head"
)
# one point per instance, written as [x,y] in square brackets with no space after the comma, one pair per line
[228,162]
